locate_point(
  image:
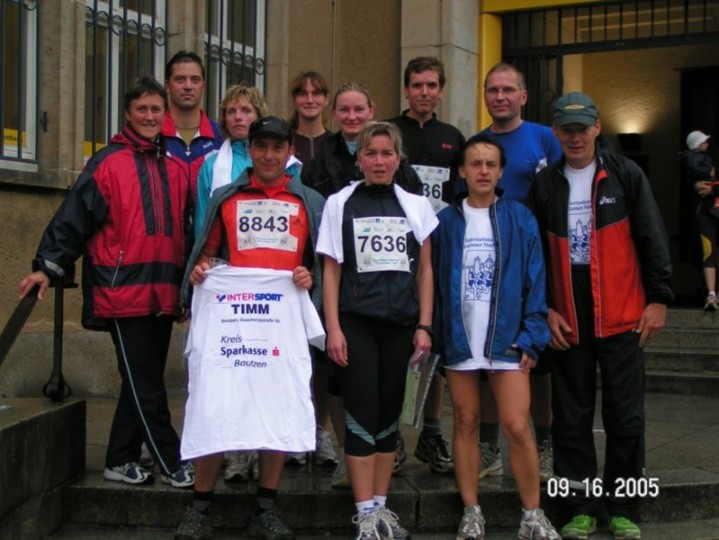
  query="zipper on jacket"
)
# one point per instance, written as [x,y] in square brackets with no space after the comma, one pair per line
[569,261]
[117,270]
[592,235]
[489,342]
[153,171]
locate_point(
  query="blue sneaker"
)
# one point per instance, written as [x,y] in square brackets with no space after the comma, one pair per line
[182,478]
[129,473]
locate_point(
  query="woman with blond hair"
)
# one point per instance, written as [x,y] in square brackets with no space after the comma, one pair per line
[241,105]
[377,300]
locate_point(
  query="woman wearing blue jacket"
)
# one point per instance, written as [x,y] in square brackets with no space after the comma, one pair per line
[490,315]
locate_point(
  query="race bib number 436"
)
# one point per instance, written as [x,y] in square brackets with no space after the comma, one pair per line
[266,224]
[381,244]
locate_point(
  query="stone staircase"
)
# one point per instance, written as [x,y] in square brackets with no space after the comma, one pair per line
[684,357]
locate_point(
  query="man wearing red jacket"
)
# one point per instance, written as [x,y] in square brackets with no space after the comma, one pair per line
[126,214]
[608,273]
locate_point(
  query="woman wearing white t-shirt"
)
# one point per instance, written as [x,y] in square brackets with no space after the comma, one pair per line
[377,299]
[490,287]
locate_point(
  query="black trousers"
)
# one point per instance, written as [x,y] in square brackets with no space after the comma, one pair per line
[373,383]
[142,413]
[574,387]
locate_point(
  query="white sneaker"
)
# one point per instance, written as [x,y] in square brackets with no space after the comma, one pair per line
[325,453]
[537,527]
[472,525]
[296,459]
[366,526]
[241,466]
[490,461]
[546,462]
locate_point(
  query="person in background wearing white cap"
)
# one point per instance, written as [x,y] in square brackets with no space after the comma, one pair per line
[608,276]
[698,168]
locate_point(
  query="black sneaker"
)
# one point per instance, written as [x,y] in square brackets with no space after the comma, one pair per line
[269,526]
[195,526]
[435,451]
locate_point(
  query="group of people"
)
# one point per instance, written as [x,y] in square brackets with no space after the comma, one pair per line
[320,262]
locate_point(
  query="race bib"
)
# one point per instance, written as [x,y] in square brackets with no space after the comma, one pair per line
[432,179]
[265,223]
[381,244]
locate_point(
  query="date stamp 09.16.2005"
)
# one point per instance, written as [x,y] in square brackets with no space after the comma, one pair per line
[643,487]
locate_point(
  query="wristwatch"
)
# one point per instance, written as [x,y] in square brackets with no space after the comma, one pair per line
[426,328]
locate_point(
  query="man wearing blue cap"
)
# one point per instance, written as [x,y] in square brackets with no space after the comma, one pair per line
[608,272]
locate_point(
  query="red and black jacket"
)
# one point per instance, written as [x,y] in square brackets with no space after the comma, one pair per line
[127,214]
[629,255]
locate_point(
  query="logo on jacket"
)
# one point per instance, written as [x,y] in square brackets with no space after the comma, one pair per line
[607,200]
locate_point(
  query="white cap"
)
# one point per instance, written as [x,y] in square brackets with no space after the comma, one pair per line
[695,139]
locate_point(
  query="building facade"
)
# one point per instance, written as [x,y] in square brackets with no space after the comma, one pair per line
[650,65]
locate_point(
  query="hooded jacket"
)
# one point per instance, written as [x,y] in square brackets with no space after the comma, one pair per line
[127,214]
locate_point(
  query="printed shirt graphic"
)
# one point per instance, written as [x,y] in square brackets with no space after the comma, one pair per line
[249,363]
[432,178]
[381,243]
[477,279]
[580,211]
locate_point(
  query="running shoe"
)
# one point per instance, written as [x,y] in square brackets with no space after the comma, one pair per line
[325,453]
[435,451]
[183,477]
[129,473]
[242,466]
[490,461]
[711,303]
[388,525]
[366,526]
[624,528]
[537,527]
[580,527]
[195,526]
[296,459]
[472,525]
[546,462]
[269,526]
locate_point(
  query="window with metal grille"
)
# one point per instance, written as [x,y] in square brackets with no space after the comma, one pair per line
[123,39]
[234,47]
[610,25]
[18,87]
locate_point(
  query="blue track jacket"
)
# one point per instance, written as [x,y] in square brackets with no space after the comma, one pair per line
[518,311]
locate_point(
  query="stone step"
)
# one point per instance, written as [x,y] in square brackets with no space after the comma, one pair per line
[688,384]
[308,503]
[691,318]
[696,529]
[705,339]
[697,362]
